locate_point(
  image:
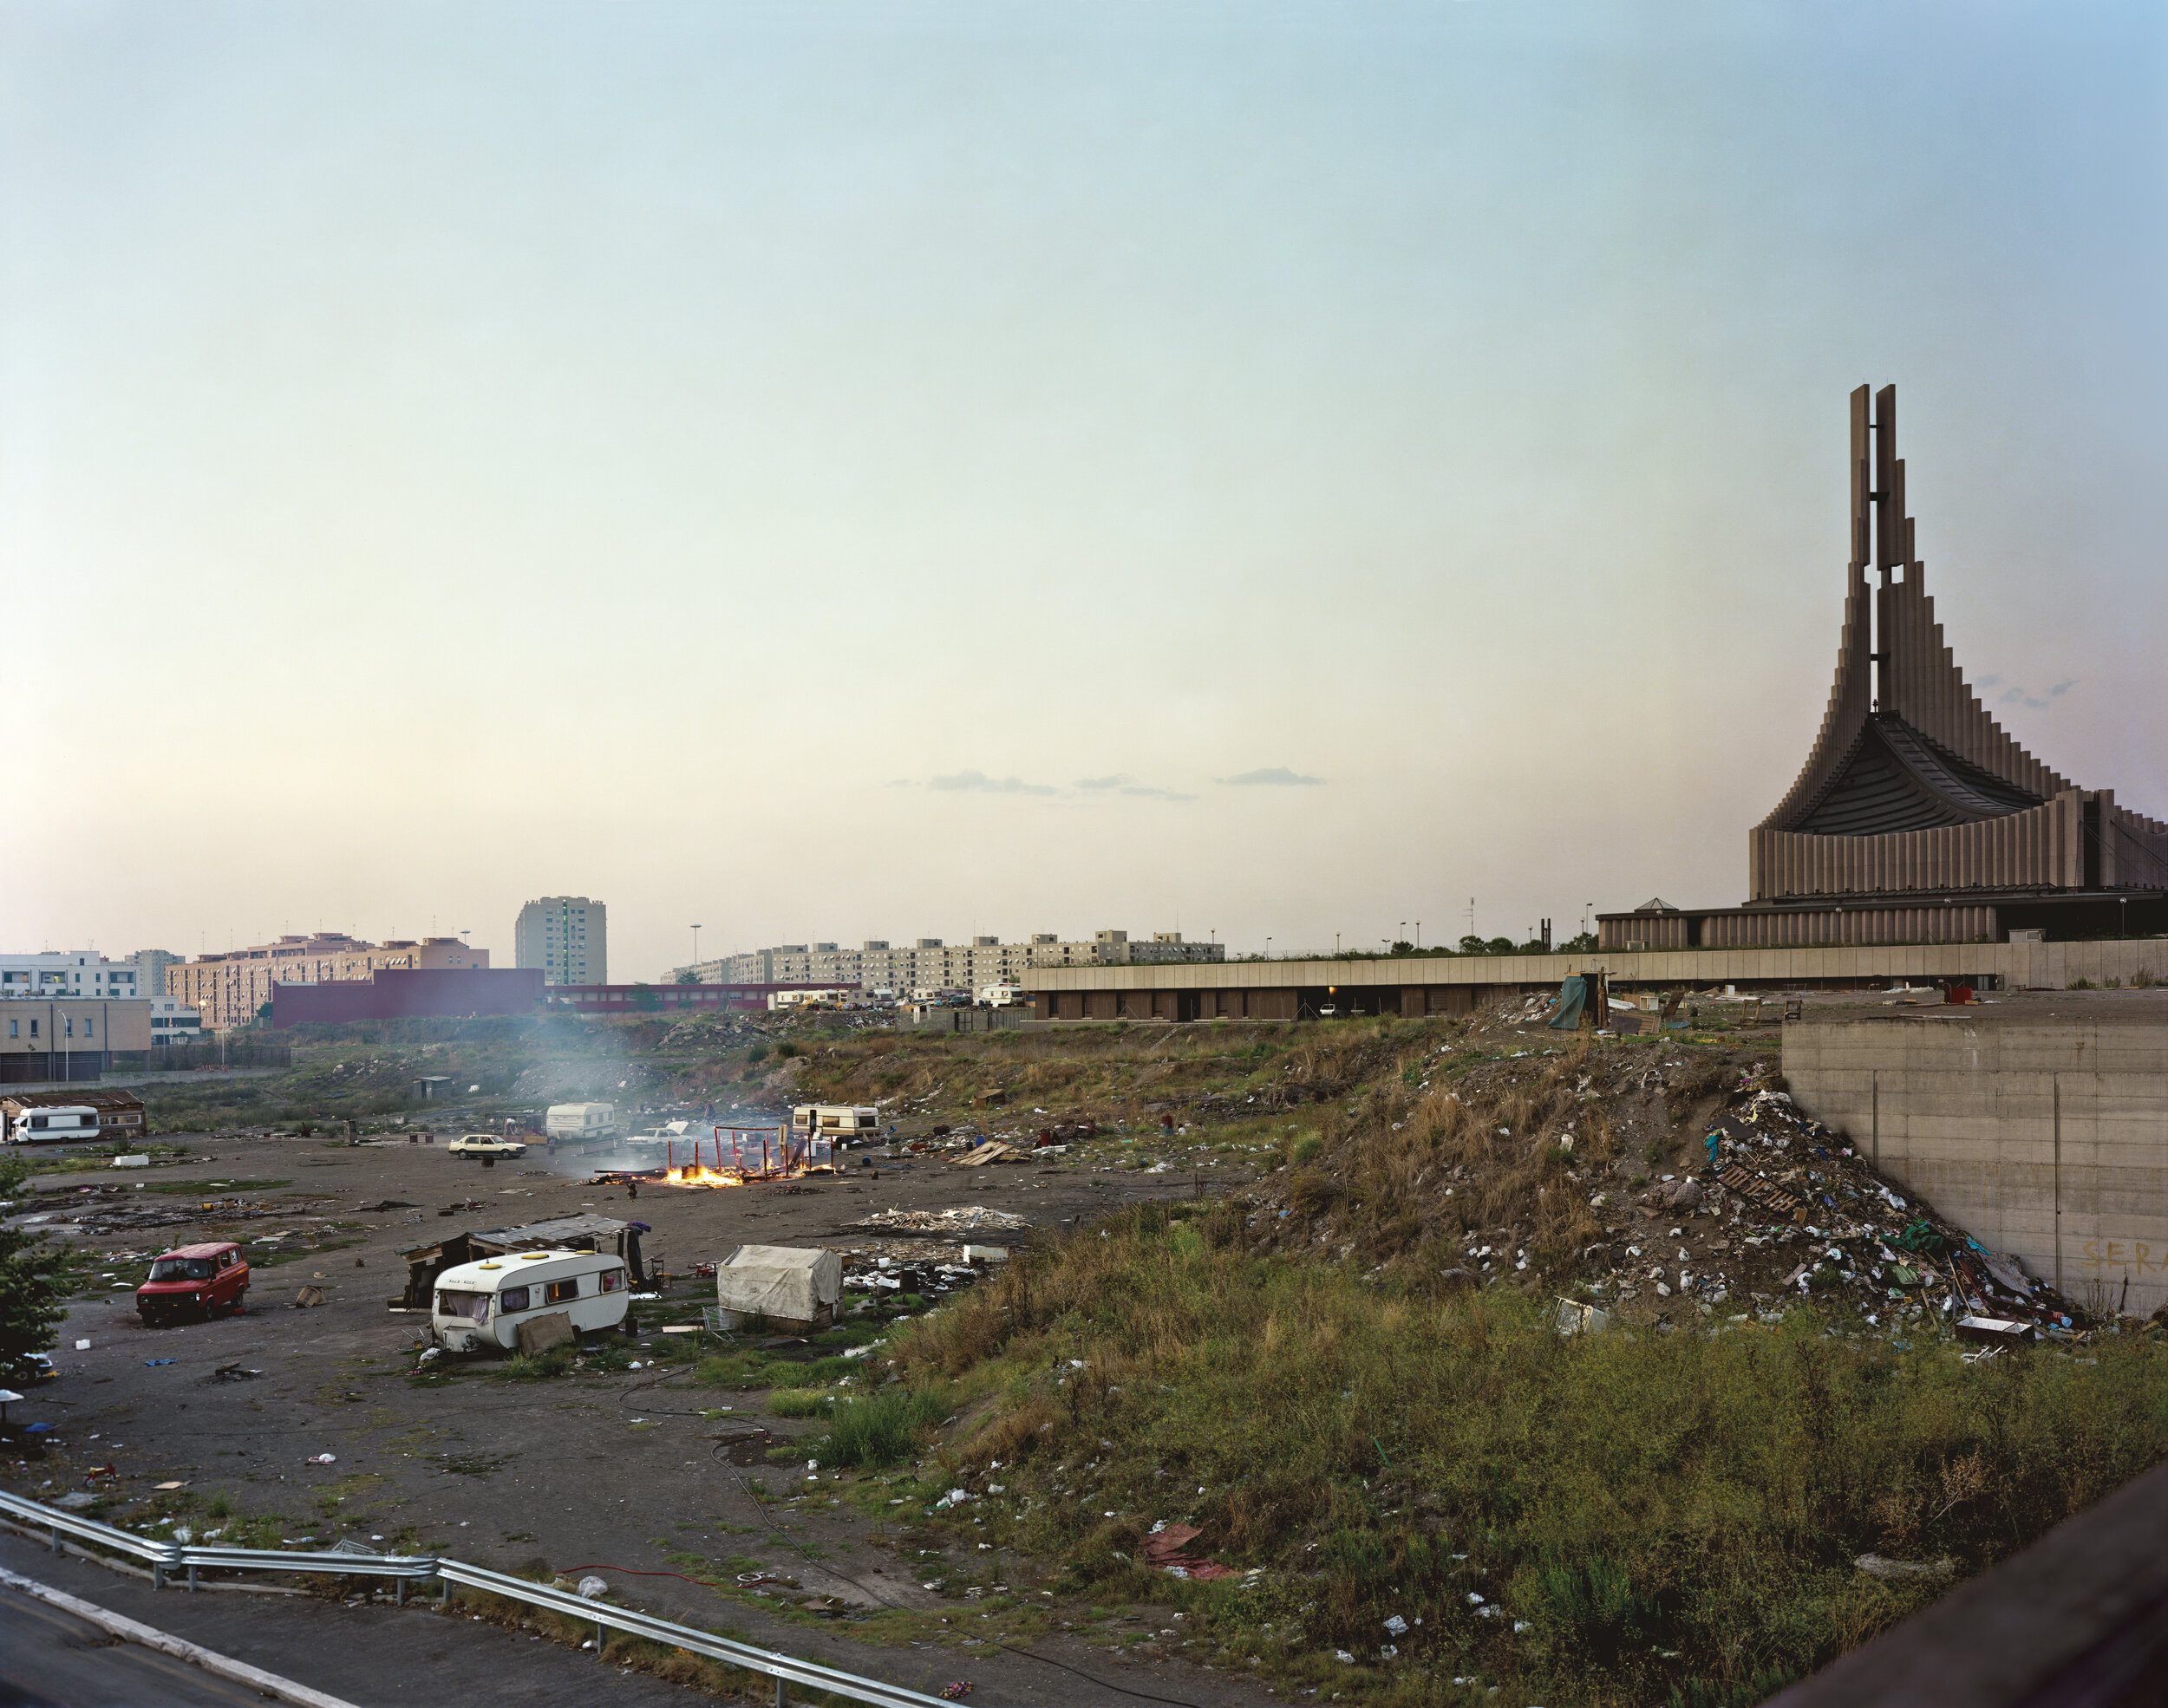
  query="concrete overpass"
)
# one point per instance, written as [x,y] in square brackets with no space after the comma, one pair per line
[1456,984]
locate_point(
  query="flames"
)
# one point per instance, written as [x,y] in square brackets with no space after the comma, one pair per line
[747,1157]
[699,1174]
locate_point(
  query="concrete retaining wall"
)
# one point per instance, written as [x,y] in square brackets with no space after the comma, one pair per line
[2047,1139]
[2015,966]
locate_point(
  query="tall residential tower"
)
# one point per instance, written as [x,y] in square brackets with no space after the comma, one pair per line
[567,936]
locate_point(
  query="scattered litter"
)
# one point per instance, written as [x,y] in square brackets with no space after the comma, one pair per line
[307,1297]
[1575,1318]
[1875,1565]
[968,1218]
[594,1589]
[167,1488]
[152,1363]
[234,1373]
[1993,1331]
[1168,1549]
[323,1460]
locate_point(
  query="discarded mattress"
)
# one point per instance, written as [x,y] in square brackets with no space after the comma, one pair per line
[785,1284]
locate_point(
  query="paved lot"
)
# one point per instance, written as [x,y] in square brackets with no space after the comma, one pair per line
[596,1472]
[370,1656]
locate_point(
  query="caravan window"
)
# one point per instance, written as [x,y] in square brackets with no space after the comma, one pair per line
[473,1306]
[512,1299]
[612,1279]
[558,1292]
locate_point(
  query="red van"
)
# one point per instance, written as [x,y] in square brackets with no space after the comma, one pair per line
[193,1279]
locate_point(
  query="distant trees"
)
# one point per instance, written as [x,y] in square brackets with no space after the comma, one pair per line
[689,976]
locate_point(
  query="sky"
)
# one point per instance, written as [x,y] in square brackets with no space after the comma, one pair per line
[833,471]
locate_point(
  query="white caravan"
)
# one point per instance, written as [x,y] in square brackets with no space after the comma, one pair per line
[483,1304]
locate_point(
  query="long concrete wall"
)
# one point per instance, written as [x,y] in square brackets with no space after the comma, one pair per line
[2047,1139]
[2018,965]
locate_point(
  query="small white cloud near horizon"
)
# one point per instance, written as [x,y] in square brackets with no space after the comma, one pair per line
[1277,776]
[1121,782]
[979,782]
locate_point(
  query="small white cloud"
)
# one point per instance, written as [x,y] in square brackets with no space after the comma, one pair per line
[2063,687]
[1992,680]
[1277,776]
[1144,793]
[1116,781]
[979,782]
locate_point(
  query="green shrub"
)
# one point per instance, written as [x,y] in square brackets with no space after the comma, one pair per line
[1308,1148]
[801,1403]
[879,1431]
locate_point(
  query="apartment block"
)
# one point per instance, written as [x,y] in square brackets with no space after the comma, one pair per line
[566,936]
[61,975]
[929,963]
[150,966]
[227,989]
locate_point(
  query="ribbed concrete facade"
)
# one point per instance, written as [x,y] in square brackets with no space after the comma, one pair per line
[1916,816]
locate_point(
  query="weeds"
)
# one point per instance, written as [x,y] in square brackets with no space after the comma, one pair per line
[881,1430]
[1656,1513]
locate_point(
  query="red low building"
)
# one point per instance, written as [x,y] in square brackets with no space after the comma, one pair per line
[403,992]
[634,999]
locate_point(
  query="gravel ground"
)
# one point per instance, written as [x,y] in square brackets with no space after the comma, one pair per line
[593,1471]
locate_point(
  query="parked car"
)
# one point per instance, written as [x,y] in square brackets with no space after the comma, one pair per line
[485,1144]
[194,1281]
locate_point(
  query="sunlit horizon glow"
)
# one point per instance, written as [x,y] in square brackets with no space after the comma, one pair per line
[852,471]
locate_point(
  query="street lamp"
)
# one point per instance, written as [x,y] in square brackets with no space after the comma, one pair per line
[1268,946]
[695,949]
[68,1032]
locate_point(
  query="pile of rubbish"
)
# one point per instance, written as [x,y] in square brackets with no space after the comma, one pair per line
[126,1215]
[1781,1168]
[965,1219]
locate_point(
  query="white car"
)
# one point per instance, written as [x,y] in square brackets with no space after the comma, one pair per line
[485,1144]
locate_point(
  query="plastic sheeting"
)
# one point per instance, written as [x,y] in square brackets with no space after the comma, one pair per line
[1573,997]
[778,1280]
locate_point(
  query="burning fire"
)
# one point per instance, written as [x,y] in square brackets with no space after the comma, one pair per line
[748,1156]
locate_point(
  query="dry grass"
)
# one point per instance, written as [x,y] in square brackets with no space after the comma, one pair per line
[1384,1452]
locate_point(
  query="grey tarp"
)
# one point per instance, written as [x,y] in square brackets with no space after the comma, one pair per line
[778,1280]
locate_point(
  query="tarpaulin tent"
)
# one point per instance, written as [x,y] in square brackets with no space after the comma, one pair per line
[789,1285]
[1573,997]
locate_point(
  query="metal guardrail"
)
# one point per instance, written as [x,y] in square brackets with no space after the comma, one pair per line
[169,1557]
[163,1556]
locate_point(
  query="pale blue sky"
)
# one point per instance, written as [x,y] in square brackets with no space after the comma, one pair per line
[455,453]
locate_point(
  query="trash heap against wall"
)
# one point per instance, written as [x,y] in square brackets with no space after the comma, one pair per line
[1856,1234]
